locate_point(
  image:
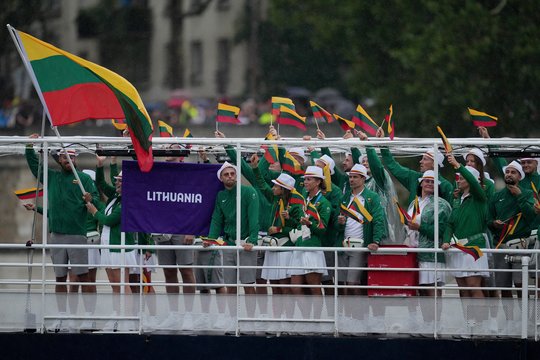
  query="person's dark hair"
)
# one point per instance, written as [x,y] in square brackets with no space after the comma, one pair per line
[479,165]
[286,194]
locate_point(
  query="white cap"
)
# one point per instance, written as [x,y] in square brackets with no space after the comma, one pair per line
[298,151]
[285,181]
[528,158]
[223,167]
[476,152]
[358,169]
[314,171]
[90,173]
[119,176]
[515,165]
[439,157]
[327,160]
[70,152]
[428,174]
[474,172]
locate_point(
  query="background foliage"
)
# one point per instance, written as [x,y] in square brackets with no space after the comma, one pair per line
[431,59]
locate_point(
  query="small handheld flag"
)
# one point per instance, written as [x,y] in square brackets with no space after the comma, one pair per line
[345,211]
[510,226]
[344,123]
[390,122]
[403,215]
[227,114]
[311,211]
[321,114]
[482,119]
[218,242]
[364,121]
[278,102]
[535,192]
[288,116]
[31,193]
[357,206]
[446,143]
[474,251]
[164,129]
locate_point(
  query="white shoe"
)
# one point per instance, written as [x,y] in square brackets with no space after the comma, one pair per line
[202,322]
[172,322]
[150,323]
[223,322]
[187,324]
[59,325]
[376,324]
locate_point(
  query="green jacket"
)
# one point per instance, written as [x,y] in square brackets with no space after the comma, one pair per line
[265,205]
[470,218]
[296,211]
[67,210]
[224,215]
[324,208]
[375,230]
[409,178]
[504,206]
[113,219]
[426,239]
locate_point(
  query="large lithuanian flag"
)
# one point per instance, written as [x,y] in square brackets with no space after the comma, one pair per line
[73,89]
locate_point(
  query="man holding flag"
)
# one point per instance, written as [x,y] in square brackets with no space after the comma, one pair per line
[67,217]
[361,223]
[511,216]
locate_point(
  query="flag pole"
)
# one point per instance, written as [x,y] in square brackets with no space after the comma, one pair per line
[316,123]
[17,41]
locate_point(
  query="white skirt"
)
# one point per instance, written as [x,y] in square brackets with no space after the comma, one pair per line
[276,258]
[307,262]
[94,258]
[471,267]
[428,276]
[113,260]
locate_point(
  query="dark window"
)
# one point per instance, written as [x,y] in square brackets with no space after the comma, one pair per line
[223,66]
[196,76]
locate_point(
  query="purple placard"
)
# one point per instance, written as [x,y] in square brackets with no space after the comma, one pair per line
[173,198]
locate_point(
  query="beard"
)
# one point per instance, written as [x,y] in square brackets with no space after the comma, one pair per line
[509,181]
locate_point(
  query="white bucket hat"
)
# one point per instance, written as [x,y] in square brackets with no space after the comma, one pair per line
[285,181]
[223,167]
[515,165]
[428,174]
[327,160]
[314,171]
[90,173]
[298,151]
[438,158]
[358,169]
[476,152]
[474,172]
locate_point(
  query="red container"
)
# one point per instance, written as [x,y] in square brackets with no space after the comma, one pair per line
[392,278]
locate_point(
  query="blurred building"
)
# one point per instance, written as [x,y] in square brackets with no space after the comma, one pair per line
[207,48]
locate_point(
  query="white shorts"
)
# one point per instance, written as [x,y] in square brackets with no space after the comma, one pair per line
[276,258]
[113,260]
[307,262]
[94,258]
[461,260]
[428,276]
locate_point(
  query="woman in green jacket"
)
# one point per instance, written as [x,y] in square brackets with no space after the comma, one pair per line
[109,218]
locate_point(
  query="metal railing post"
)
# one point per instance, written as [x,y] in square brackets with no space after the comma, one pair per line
[524,295]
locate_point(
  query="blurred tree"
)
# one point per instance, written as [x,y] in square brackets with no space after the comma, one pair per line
[431,59]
